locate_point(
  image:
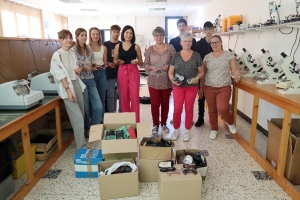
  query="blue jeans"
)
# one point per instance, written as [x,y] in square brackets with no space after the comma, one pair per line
[100,80]
[91,100]
[111,84]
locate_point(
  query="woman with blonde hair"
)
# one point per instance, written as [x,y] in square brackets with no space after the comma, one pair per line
[156,64]
[100,62]
[85,59]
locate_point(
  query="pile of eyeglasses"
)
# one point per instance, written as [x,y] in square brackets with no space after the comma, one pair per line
[158,143]
[198,159]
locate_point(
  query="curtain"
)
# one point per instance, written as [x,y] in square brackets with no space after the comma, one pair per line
[61,22]
[18,20]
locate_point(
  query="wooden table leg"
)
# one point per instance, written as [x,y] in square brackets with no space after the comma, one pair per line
[285,133]
[58,127]
[27,152]
[234,102]
[254,122]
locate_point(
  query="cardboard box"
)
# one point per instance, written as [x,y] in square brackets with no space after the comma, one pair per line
[292,167]
[178,187]
[124,148]
[86,163]
[117,185]
[202,170]
[154,153]
[149,168]
[20,162]
[44,150]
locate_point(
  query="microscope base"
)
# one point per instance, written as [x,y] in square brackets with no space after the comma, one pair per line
[267,81]
[284,85]
[290,91]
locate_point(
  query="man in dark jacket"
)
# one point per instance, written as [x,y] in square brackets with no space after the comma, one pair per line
[203,48]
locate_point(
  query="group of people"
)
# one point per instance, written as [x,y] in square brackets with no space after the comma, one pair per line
[87,73]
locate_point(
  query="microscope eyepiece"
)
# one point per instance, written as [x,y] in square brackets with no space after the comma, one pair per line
[244,50]
[283,55]
[263,51]
[230,50]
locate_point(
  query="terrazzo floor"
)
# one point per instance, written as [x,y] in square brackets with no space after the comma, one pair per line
[232,173]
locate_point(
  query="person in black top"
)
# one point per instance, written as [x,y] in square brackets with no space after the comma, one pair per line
[112,69]
[181,26]
[203,47]
[128,55]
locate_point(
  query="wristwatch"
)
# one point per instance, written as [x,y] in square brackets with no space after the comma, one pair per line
[67,88]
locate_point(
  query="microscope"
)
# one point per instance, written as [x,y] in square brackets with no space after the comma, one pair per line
[217,24]
[273,69]
[272,8]
[252,65]
[289,68]
[240,62]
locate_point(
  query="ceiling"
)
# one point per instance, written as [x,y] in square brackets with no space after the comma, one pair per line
[118,7]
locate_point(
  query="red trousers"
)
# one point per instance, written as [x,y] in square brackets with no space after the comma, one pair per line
[186,96]
[159,99]
[129,86]
[218,101]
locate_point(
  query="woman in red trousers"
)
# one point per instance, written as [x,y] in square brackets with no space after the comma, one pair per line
[128,55]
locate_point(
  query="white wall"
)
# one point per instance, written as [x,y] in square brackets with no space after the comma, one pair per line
[142,25]
[254,12]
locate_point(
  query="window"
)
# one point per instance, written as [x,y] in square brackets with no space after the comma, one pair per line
[171,28]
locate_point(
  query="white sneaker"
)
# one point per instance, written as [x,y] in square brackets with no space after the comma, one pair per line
[155,130]
[165,129]
[232,128]
[175,134]
[186,136]
[213,134]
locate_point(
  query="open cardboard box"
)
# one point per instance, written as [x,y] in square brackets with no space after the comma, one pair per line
[149,168]
[179,186]
[117,185]
[124,148]
[154,153]
[201,170]
[292,167]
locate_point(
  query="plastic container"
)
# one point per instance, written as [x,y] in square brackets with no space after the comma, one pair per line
[224,24]
[233,19]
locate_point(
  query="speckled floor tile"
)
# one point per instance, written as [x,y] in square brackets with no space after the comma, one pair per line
[228,177]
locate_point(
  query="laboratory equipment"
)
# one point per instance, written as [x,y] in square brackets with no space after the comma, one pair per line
[273,70]
[252,64]
[273,7]
[240,62]
[17,95]
[44,82]
[292,74]
[217,24]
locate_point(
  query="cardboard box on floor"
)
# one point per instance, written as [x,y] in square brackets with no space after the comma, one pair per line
[201,170]
[148,168]
[292,167]
[126,148]
[117,185]
[154,153]
[178,187]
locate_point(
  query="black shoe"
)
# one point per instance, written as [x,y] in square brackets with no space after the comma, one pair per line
[199,123]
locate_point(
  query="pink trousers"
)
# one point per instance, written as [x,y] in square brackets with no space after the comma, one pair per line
[186,96]
[129,86]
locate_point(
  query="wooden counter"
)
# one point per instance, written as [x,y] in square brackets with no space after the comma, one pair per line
[21,122]
[290,104]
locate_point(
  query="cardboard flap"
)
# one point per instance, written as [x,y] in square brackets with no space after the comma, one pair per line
[96,132]
[119,146]
[119,118]
[143,129]
[295,144]
[274,129]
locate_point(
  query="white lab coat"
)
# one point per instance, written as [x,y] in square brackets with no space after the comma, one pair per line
[59,72]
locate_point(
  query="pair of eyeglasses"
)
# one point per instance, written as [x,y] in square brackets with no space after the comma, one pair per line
[156,36]
[189,170]
[209,30]
[214,43]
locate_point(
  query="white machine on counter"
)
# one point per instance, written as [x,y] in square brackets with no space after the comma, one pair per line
[16,95]
[240,62]
[292,74]
[44,82]
[252,65]
[273,70]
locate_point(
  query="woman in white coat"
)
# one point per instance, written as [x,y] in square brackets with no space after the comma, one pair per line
[64,68]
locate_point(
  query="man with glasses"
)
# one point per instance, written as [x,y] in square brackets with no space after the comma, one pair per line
[203,48]
[181,26]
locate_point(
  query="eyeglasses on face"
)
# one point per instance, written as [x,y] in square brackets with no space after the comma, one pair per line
[209,30]
[214,43]
[157,36]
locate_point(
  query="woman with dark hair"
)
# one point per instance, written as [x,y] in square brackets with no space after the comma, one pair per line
[64,68]
[157,61]
[85,59]
[128,55]
[220,66]
[100,61]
